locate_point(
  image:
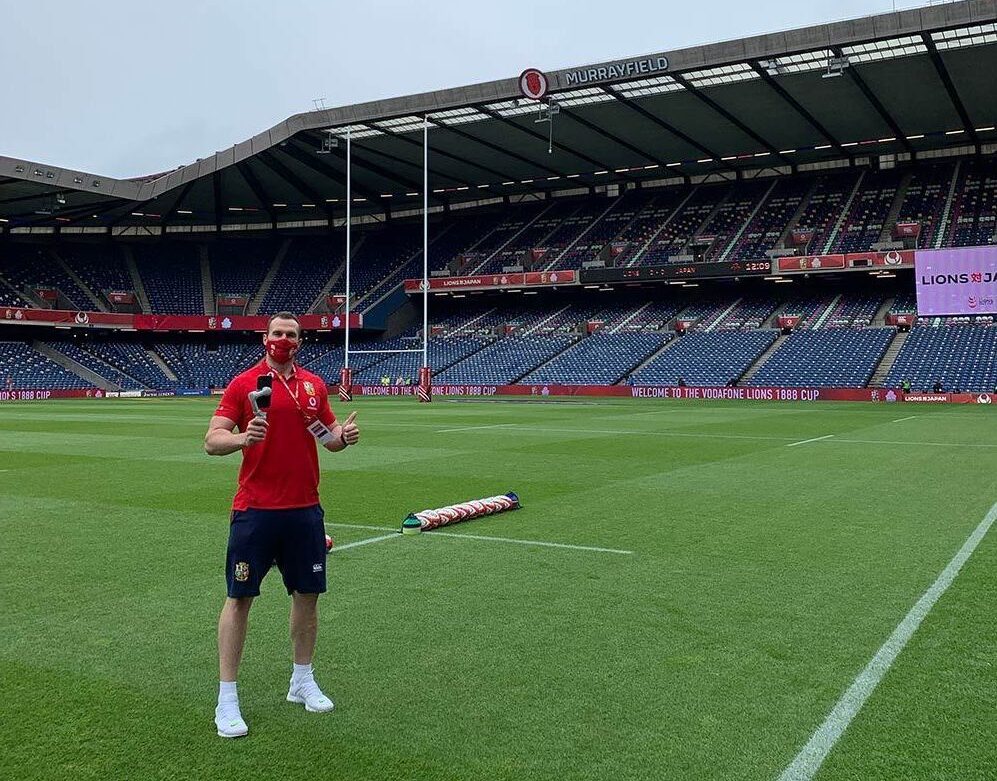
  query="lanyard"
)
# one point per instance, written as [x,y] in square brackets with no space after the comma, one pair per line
[294,396]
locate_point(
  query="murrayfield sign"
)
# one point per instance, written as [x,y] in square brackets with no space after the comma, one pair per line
[619,70]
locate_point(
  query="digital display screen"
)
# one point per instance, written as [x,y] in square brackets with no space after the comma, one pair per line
[956,281]
[733,268]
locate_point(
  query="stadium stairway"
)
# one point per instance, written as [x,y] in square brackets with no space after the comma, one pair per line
[636,256]
[879,319]
[337,275]
[163,366]
[943,223]
[264,288]
[652,357]
[889,358]
[95,300]
[762,359]
[794,221]
[207,288]
[139,287]
[70,365]
[846,209]
[898,201]
[571,245]
[511,239]
[819,322]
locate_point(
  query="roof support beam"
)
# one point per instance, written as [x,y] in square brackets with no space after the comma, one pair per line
[496,148]
[532,133]
[270,161]
[874,101]
[216,189]
[707,100]
[307,159]
[574,117]
[254,184]
[794,104]
[953,93]
[171,212]
[668,128]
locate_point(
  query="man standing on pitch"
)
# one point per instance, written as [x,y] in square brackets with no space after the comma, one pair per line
[276,515]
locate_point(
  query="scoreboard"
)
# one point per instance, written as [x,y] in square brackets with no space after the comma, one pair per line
[730,268]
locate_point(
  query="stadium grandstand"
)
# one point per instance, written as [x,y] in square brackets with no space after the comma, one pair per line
[751,212]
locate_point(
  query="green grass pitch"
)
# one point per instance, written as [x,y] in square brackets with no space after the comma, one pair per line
[763,577]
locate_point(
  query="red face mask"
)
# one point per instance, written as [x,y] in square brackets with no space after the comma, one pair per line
[281,350]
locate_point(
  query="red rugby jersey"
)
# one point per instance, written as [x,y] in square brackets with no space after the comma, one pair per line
[282,471]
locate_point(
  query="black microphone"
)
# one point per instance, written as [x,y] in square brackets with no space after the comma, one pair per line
[260,398]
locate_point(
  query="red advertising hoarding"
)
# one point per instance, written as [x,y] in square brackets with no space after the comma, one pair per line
[896,258]
[43,394]
[888,395]
[14,316]
[121,297]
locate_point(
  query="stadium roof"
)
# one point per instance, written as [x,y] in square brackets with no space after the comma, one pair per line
[900,83]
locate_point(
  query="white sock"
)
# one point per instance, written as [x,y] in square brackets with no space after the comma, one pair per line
[301,673]
[227,691]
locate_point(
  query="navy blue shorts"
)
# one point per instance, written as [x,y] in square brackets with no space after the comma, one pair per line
[293,539]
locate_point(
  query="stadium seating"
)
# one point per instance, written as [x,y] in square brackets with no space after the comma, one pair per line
[771,221]
[673,237]
[713,358]
[854,310]
[238,266]
[203,366]
[171,275]
[867,214]
[28,266]
[100,266]
[26,369]
[306,268]
[505,360]
[600,359]
[924,199]
[844,357]
[973,219]
[442,353]
[731,215]
[827,199]
[961,357]
[97,365]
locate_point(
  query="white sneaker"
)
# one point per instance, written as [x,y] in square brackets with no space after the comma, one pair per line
[228,720]
[311,696]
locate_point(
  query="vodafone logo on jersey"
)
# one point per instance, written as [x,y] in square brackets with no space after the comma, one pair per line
[533,84]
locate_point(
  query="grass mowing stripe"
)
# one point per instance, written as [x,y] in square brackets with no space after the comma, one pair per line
[912,444]
[806,764]
[530,542]
[472,428]
[814,439]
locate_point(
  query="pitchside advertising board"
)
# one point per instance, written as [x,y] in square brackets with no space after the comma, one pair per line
[956,281]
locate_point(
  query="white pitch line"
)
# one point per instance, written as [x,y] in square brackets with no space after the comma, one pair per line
[530,542]
[368,541]
[805,441]
[901,420]
[473,537]
[806,764]
[473,428]
[913,444]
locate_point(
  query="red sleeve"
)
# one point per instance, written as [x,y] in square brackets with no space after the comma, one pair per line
[232,405]
[325,413]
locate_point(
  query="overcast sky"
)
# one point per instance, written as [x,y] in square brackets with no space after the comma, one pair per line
[129,87]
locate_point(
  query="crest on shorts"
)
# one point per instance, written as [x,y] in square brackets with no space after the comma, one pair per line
[309,388]
[242,571]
